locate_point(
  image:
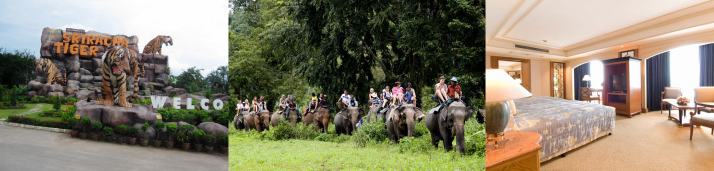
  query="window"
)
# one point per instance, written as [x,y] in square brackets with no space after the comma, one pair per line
[596,72]
[684,69]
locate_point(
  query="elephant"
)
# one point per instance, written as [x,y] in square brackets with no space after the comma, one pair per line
[448,124]
[275,118]
[375,114]
[258,121]
[351,116]
[293,118]
[238,120]
[309,118]
[322,119]
[401,121]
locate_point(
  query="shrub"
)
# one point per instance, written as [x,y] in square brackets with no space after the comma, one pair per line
[332,138]
[132,131]
[207,119]
[187,128]
[108,131]
[223,138]
[85,121]
[475,136]
[159,126]
[182,137]
[210,139]
[144,127]
[97,126]
[38,122]
[198,136]
[420,129]
[71,122]
[121,129]
[171,127]
[415,144]
[56,102]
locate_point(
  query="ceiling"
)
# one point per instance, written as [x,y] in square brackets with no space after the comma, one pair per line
[572,28]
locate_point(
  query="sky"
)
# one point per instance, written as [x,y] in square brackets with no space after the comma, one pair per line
[199,29]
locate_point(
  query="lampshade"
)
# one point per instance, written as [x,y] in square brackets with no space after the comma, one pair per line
[501,87]
[586,78]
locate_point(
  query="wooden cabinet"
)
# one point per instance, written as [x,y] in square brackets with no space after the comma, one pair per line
[519,151]
[622,85]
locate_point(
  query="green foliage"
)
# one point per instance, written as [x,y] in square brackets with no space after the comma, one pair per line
[39,122]
[16,67]
[140,101]
[159,126]
[108,131]
[223,139]
[182,137]
[374,132]
[415,144]
[187,128]
[132,131]
[144,127]
[85,122]
[198,136]
[71,121]
[333,138]
[56,102]
[97,125]
[216,82]
[475,135]
[122,129]
[191,80]
[210,139]
[86,87]
[171,127]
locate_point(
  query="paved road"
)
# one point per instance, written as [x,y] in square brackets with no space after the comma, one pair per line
[31,149]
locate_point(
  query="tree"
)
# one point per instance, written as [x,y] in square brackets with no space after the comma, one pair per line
[190,79]
[17,67]
[217,80]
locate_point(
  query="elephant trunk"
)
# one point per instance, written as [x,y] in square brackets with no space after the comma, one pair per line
[410,125]
[460,143]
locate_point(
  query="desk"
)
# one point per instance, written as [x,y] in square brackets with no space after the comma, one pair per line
[518,151]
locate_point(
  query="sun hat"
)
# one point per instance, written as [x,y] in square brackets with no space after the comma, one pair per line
[454,79]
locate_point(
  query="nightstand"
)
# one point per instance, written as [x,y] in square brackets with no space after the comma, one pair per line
[518,151]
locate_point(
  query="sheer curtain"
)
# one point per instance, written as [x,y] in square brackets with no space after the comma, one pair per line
[684,69]
[596,74]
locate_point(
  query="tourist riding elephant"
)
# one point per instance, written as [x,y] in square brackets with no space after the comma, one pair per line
[258,121]
[322,119]
[238,120]
[448,124]
[401,121]
[293,117]
[348,119]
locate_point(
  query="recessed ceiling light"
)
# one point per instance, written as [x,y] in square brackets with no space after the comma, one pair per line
[622,45]
[546,41]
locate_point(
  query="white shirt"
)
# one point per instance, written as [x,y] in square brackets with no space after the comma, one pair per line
[345,98]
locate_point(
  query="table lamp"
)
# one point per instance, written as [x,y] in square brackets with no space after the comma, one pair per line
[500,87]
[586,78]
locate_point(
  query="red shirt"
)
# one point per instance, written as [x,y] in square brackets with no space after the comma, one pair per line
[453,89]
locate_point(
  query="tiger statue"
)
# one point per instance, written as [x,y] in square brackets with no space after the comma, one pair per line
[50,71]
[114,78]
[154,45]
[137,71]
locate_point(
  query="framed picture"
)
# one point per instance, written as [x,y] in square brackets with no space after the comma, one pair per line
[512,73]
[629,53]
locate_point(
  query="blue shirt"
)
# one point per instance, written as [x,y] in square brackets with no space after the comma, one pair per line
[408,97]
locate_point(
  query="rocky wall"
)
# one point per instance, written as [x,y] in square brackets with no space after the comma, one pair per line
[83,70]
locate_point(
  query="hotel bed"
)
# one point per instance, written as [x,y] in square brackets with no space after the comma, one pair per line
[563,124]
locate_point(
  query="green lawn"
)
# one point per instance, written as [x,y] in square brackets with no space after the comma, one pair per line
[248,152]
[4,113]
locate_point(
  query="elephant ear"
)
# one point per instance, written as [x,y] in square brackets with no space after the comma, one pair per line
[361,113]
[419,113]
[470,112]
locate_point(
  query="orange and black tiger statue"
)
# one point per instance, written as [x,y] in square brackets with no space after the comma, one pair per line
[154,45]
[114,78]
[137,71]
[50,72]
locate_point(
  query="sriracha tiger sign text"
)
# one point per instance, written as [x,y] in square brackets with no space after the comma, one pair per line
[82,44]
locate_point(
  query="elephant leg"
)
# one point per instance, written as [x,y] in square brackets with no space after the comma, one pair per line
[447,138]
[435,138]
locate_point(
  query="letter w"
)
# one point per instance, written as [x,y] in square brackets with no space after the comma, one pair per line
[158,102]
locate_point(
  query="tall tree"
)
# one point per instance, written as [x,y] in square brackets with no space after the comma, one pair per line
[16,67]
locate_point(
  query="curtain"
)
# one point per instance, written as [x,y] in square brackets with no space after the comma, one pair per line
[706,65]
[657,78]
[578,74]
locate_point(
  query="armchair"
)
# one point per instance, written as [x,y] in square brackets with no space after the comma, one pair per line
[669,93]
[703,96]
[586,94]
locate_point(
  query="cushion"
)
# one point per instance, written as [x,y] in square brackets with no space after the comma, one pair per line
[705,119]
[672,93]
[704,94]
